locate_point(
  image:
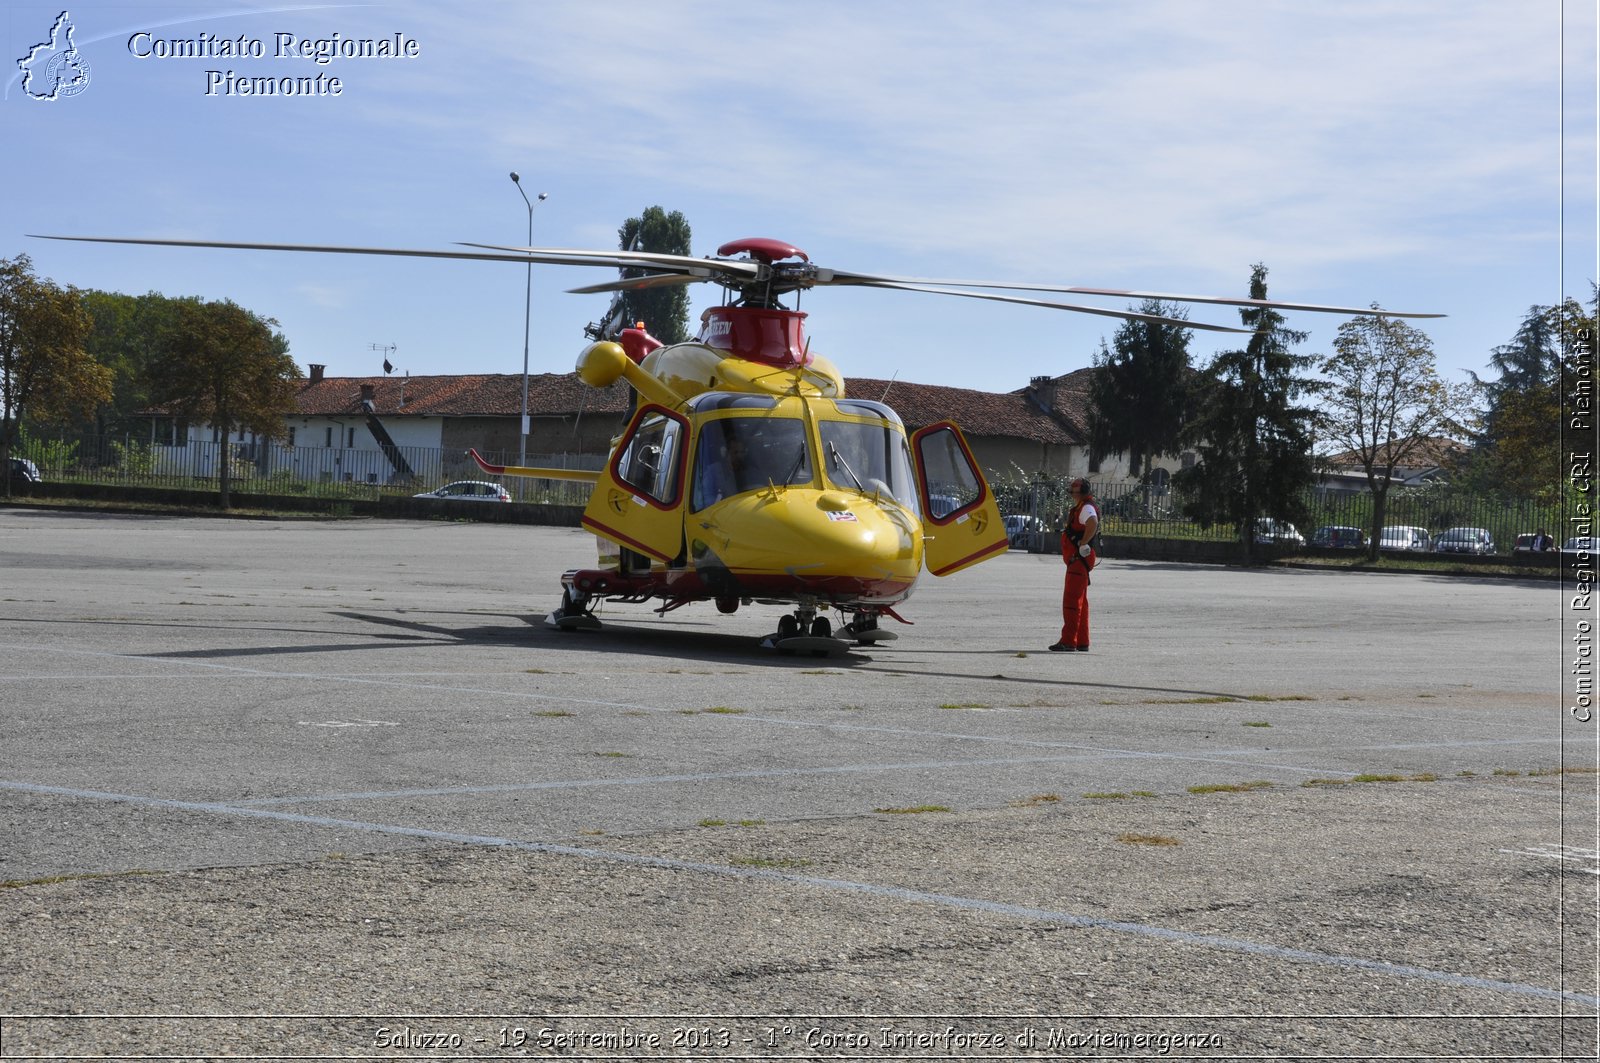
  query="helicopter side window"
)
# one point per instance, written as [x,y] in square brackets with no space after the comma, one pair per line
[871,458]
[738,454]
[951,482]
[649,462]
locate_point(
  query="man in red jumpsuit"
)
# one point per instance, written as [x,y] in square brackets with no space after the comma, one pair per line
[1077,550]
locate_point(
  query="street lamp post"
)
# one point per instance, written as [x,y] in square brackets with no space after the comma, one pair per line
[527,317]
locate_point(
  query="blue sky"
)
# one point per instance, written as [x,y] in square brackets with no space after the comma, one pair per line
[1410,152]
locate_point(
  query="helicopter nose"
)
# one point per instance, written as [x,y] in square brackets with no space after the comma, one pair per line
[816,535]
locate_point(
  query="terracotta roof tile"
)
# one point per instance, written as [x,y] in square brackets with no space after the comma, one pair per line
[474,395]
[557,394]
[977,412]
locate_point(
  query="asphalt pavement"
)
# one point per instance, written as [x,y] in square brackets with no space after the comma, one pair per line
[276,788]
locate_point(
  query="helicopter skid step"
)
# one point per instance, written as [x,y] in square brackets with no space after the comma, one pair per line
[572,621]
[819,645]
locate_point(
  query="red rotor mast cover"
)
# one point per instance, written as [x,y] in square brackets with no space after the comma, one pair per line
[771,337]
[774,336]
[762,249]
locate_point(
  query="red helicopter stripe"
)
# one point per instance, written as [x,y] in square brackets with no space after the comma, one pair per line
[992,548]
[612,533]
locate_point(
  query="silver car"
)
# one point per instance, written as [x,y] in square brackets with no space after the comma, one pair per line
[1464,541]
[469,491]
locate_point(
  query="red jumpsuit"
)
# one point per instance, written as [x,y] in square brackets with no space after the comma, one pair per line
[1075,596]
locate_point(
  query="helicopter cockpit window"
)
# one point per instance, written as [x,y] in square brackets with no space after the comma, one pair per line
[868,457]
[738,454]
[712,401]
[649,462]
[952,484]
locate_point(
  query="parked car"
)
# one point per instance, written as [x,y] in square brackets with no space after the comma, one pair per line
[1339,537]
[1277,532]
[1578,544]
[1021,528]
[1526,543]
[1405,537]
[469,491]
[940,506]
[1464,541]
[24,474]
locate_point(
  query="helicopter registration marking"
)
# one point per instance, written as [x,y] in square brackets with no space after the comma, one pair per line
[843,515]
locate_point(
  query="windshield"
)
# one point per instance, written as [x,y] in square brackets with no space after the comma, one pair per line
[871,458]
[738,454]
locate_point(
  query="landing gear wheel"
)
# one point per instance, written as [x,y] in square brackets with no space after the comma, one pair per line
[573,613]
[788,626]
[864,629]
[821,629]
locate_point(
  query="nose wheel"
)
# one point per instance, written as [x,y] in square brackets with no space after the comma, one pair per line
[804,631]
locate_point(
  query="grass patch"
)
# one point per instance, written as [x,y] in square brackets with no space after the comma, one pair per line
[770,863]
[1370,777]
[51,880]
[1215,699]
[713,823]
[1257,723]
[1036,800]
[555,712]
[912,810]
[1230,787]
[616,753]
[1112,796]
[1146,839]
[1507,773]
[964,705]
[1143,793]
[723,710]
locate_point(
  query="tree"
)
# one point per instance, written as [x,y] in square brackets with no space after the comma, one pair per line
[1139,392]
[222,365]
[45,374]
[1253,440]
[664,311]
[1384,402]
[1517,449]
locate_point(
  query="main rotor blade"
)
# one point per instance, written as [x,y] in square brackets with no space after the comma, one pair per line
[871,280]
[639,284]
[1131,315]
[626,259]
[555,257]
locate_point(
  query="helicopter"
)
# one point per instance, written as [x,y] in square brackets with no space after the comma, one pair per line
[745,474]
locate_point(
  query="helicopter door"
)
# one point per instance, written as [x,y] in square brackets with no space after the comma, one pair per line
[960,516]
[638,500]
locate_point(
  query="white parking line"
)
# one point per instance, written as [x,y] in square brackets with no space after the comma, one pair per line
[896,893]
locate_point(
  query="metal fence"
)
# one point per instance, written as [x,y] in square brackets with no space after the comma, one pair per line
[1154,511]
[277,469]
[1157,512]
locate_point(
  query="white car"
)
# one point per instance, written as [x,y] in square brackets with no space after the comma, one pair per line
[469,491]
[1404,537]
[1280,532]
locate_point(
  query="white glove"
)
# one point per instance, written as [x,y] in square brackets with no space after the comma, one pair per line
[1083,551]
